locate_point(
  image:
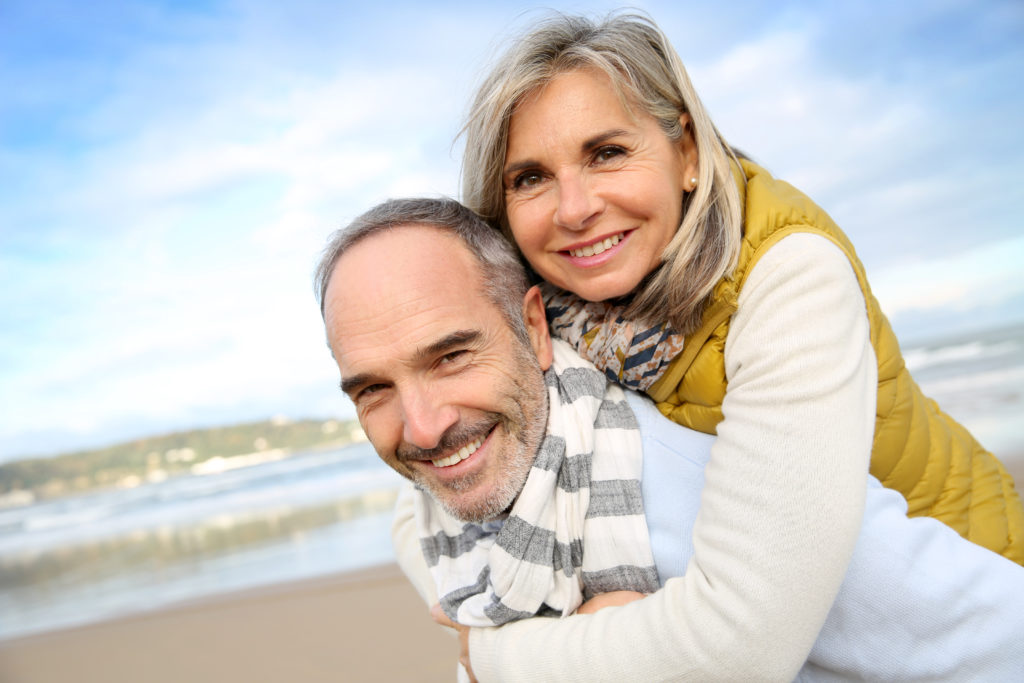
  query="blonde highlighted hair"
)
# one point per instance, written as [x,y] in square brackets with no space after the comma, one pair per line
[647,73]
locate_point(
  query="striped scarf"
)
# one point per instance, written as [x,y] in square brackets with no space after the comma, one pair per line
[632,356]
[576,529]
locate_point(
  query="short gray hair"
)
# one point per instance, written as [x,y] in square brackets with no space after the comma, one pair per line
[647,72]
[502,273]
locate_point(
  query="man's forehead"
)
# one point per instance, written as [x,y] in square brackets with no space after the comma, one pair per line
[409,282]
[408,252]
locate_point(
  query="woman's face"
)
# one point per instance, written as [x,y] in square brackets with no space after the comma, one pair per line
[593,191]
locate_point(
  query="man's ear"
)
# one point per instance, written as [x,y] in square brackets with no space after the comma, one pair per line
[537,326]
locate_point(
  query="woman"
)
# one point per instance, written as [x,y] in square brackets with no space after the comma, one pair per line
[738,305]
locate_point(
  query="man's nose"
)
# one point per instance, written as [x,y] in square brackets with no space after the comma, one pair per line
[425,417]
[578,204]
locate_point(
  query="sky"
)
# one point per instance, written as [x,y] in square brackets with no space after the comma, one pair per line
[170,171]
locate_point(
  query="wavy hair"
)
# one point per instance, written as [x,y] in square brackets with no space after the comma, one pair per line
[647,74]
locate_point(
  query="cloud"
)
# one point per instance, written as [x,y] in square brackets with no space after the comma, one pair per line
[988,274]
[904,153]
[172,175]
[170,276]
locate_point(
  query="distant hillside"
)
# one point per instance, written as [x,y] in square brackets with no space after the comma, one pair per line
[159,457]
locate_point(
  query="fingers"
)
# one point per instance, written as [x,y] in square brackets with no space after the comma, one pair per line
[438,615]
[611,599]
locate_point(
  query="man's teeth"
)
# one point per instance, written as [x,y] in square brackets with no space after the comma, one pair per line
[461,455]
[597,248]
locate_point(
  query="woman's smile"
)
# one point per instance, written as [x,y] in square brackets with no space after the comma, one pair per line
[596,252]
[593,190]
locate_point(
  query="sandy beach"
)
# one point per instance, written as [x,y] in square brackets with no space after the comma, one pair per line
[367,625]
[364,626]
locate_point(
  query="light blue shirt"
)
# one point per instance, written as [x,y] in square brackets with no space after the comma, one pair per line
[918,601]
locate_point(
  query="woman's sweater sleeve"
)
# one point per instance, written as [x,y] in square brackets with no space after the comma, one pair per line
[780,510]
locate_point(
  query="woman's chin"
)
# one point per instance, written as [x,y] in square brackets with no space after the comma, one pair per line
[607,282]
[600,291]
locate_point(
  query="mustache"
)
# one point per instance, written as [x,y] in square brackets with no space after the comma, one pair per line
[457,436]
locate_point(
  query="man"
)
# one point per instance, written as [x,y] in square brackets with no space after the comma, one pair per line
[528,473]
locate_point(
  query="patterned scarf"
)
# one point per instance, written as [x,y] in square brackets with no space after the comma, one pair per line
[599,332]
[577,527]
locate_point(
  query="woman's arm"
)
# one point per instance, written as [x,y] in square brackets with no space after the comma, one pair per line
[780,511]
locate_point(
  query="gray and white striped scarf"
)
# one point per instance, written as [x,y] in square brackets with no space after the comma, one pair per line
[576,529]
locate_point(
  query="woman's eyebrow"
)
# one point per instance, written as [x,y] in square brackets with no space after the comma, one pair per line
[597,140]
[588,144]
[512,169]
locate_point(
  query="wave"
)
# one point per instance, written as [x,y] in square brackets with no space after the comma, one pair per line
[920,358]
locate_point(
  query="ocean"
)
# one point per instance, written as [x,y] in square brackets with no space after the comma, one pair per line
[979,380]
[99,555]
[91,557]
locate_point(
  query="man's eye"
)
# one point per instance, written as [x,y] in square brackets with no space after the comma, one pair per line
[452,356]
[368,391]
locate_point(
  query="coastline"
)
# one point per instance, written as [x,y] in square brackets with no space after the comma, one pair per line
[362,625]
[365,625]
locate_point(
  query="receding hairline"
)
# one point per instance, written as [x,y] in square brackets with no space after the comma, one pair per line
[389,230]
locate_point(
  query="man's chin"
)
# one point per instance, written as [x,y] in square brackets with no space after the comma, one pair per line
[474,506]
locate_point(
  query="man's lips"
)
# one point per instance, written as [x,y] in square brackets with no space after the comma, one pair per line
[444,457]
[460,455]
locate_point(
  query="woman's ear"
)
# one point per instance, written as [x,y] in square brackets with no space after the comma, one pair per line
[536,322]
[688,154]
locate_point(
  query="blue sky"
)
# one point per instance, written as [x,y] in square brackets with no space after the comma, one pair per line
[169,172]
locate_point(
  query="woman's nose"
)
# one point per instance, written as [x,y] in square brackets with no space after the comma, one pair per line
[577,203]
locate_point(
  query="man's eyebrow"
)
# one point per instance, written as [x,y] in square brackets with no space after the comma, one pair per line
[451,341]
[588,144]
[441,346]
[355,381]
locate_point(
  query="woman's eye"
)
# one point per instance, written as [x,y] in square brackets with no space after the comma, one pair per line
[526,180]
[608,152]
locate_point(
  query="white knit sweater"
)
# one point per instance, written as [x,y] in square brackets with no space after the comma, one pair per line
[780,511]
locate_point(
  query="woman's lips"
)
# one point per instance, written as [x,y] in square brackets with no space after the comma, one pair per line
[597,252]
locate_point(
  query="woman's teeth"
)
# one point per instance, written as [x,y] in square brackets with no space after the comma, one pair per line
[461,455]
[597,248]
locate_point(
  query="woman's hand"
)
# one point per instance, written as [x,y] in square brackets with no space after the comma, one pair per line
[598,602]
[610,599]
[440,617]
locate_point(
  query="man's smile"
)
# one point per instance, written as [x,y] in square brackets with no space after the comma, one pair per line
[459,455]
[451,395]
[442,459]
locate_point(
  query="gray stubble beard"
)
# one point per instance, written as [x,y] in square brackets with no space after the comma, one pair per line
[515,467]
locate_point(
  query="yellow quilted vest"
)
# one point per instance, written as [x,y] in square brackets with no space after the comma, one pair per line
[918,450]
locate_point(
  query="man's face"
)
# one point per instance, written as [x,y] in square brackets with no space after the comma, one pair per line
[447,394]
